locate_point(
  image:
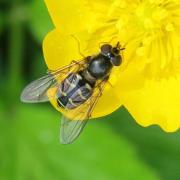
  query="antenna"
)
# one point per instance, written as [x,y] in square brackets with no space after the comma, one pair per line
[79,47]
[106,42]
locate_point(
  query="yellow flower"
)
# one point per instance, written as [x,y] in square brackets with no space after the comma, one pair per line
[148,82]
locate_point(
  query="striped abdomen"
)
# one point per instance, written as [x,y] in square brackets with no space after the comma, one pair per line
[73,91]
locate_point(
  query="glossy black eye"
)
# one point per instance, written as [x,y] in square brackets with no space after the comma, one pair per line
[115,51]
[116,60]
[106,49]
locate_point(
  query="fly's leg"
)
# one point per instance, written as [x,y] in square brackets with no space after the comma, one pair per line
[100,87]
[74,64]
[80,64]
[110,84]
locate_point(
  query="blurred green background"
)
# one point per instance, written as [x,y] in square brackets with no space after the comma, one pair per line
[111,148]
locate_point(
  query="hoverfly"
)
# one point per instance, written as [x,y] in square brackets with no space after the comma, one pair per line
[77,88]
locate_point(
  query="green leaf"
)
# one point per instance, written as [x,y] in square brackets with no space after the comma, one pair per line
[39,67]
[39,20]
[30,149]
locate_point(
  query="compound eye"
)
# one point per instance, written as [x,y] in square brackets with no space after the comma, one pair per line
[106,49]
[115,51]
[116,60]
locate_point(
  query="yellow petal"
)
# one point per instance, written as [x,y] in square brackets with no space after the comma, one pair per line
[157,102]
[108,103]
[68,16]
[59,51]
[150,101]
[146,81]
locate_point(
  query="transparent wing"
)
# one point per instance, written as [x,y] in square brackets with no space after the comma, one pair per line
[37,90]
[72,128]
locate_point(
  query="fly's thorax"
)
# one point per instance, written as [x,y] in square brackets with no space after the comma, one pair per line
[99,67]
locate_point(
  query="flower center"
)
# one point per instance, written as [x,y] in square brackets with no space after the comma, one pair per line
[151,16]
[154,25]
